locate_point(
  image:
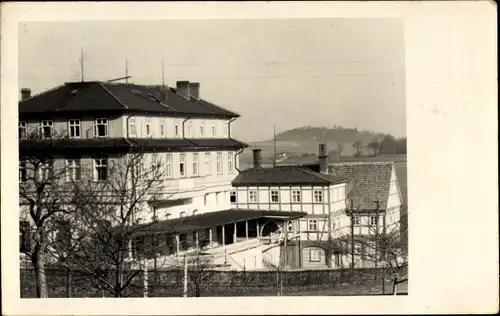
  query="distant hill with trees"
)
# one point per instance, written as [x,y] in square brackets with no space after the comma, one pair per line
[340,141]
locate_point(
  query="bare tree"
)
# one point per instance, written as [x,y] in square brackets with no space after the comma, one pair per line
[201,271]
[114,245]
[44,193]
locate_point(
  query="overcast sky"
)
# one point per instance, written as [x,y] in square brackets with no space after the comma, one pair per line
[319,72]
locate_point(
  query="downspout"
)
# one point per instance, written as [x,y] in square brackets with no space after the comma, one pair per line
[128,118]
[330,246]
[184,131]
[239,151]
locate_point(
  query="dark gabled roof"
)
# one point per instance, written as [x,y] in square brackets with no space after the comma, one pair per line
[284,175]
[102,96]
[105,145]
[212,219]
[368,182]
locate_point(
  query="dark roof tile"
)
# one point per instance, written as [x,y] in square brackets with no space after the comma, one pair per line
[284,175]
[368,182]
[103,96]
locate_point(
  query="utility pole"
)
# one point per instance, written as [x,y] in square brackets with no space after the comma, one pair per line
[352,235]
[274,141]
[81,63]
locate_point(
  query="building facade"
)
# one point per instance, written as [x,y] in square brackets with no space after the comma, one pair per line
[85,129]
[345,203]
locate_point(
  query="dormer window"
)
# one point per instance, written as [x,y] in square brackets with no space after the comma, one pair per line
[101,127]
[214,131]
[47,129]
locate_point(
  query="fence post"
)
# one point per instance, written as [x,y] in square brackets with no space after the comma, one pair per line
[185,277]
[145,279]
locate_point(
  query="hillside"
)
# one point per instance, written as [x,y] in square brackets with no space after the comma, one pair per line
[305,140]
[336,134]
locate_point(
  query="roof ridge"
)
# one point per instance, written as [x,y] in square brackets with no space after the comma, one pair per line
[388,162]
[112,95]
[314,173]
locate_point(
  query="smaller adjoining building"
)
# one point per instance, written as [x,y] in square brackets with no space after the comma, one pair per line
[305,242]
[346,203]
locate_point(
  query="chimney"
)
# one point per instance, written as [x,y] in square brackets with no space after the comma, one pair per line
[194,90]
[256,158]
[323,159]
[183,88]
[25,93]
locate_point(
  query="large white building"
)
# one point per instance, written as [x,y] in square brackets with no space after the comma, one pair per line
[98,124]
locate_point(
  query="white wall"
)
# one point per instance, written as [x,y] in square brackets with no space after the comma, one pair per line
[192,127]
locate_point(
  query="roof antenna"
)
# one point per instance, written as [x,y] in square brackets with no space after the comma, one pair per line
[163,80]
[126,71]
[81,62]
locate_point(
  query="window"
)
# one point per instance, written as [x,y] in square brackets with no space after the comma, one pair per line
[208,164]
[356,220]
[217,198]
[314,255]
[318,196]
[195,212]
[101,127]
[252,196]
[162,128]
[230,162]
[149,131]
[373,220]
[290,226]
[24,236]
[190,129]
[22,130]
[47,129]
[176,130]
[275,198]
[46,171]
[205,199]
[219,163]
[74,128]
[23,172]
[195,164]
[132,127]
[214,130]
[313,224]
[182,165]
[72,170]
[168,165]
[296,196]
[232,197]
[202,130]
[226,130]
[167,215]
[100,169]
[182,214]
